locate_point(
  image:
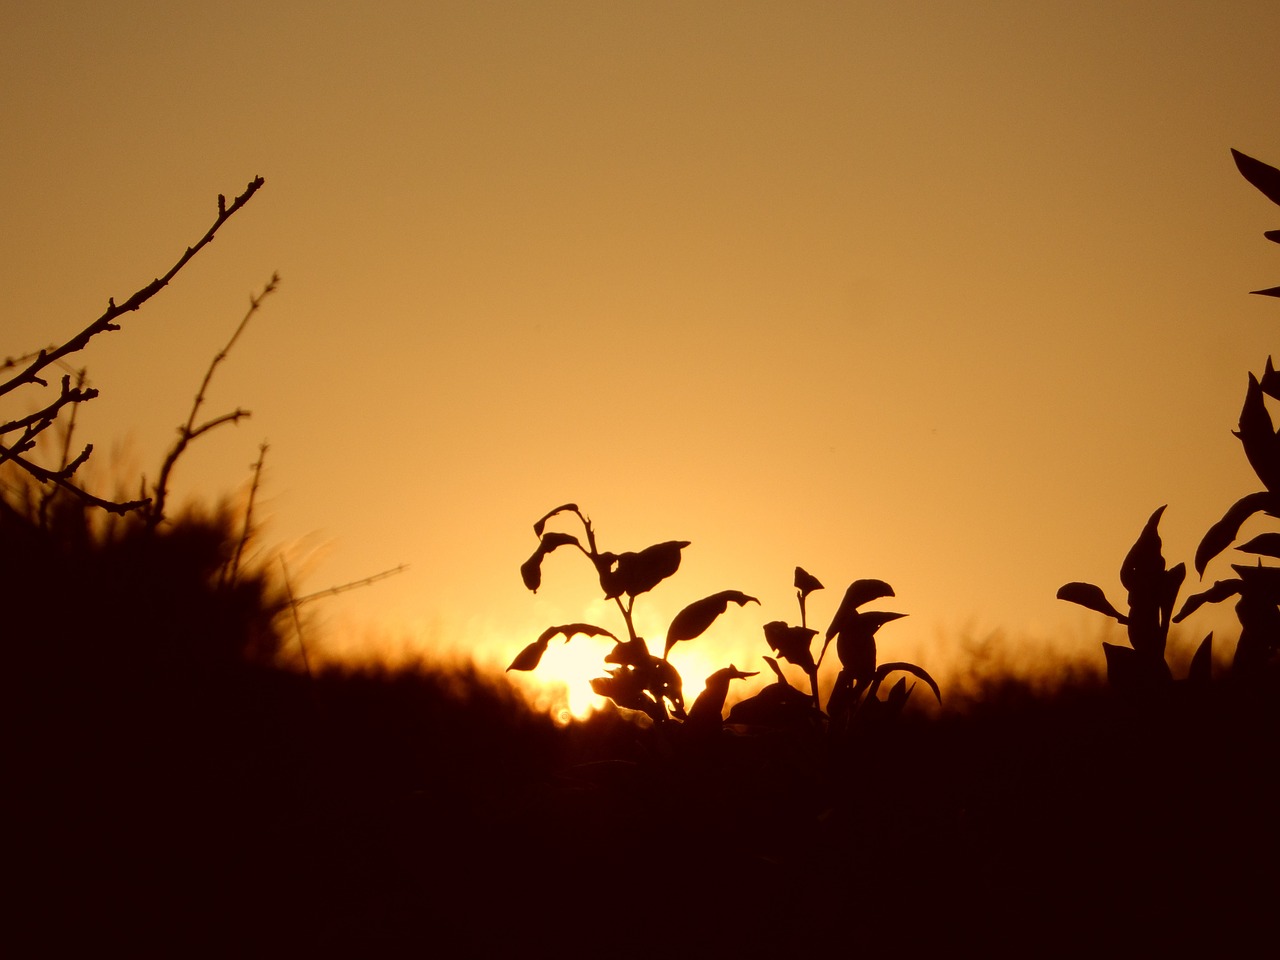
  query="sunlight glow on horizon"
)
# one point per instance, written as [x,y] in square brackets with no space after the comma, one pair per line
[950,296]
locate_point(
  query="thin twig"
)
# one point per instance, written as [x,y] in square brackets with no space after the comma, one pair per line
[106,322]
[234,569]
[343,588]
[189,431]
[297,621]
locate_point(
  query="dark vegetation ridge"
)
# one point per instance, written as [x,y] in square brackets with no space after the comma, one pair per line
[182,780]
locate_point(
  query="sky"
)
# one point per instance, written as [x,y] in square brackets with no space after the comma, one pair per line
[952,295]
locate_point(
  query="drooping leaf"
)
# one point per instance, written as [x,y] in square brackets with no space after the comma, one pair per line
[709,704]
[1258,436]
[1216,594]
[637,573]
[792,643]
[529,657]
[531,569]
[1262,175]
[885,669]
[542,521]
[1201,671]
[1224,532]
[694,619]
[806,582]
[1091,596]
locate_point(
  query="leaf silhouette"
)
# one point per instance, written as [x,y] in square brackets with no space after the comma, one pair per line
[858,593]
[1220,591]
[1264,544]
[542,521]
[777,705]
[1272,235]
[792,643]
[1201,671]
[1262,175]
[694,619]
[1270,381]
[1144,564]
[636,573]
[1091,596]
[709,704]
[885,669]
[1269,292]
[531,569]
[531,656]
[856,643]
[1258,436]
[1224,532]
[806,582]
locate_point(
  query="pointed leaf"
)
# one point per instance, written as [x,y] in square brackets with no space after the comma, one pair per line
[1262,175]
[1216,594]
[1223,533]
[1201,670]
[542,521]
[1258,436]
[1272,235]
[1268,292]
[1270,381]
[806,582]
[1091,596]
[531,569]
[694,619]
[1143,566]
[1264,544]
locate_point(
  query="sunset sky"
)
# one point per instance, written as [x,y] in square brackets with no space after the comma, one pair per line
[952,295]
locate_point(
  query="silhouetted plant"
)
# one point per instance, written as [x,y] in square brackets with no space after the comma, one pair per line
[636,679]
[639,680]
[855,694]
[1258,587]
[1152,591]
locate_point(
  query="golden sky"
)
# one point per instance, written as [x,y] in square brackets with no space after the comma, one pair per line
[947,294]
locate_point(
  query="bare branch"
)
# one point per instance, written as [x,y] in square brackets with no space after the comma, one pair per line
[69,395]
[106,322]
[60,478]
[233,571]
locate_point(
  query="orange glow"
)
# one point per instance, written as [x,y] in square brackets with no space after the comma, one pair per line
[952,300]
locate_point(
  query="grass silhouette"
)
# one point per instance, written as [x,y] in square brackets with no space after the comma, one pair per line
[176,786]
